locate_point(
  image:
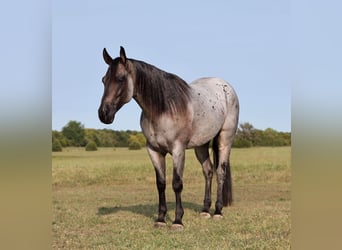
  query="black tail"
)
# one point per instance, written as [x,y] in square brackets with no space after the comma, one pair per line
[215,153]
[227,191]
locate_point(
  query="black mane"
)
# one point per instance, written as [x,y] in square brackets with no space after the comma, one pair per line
[161,92]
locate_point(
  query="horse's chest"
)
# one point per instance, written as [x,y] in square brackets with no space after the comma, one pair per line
[159,134]
[158,141]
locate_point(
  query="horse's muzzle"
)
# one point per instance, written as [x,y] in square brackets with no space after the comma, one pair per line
[107,113]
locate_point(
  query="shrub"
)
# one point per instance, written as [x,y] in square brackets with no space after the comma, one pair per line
[91,146]
[242,143]
[134,145]
[56,146]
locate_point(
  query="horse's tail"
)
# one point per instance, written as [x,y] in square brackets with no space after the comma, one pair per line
[227,191]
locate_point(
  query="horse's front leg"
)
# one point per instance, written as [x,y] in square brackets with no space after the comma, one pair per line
[178,157]
[158,161]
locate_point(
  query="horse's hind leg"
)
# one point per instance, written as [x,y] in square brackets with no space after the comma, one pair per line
[202,155]
[222,147]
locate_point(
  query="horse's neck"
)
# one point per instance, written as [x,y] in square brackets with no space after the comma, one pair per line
[159,92]
[141,78]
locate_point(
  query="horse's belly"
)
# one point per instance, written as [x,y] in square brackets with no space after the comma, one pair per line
[205,129]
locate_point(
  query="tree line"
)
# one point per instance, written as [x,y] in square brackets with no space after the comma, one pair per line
[248,136]
[74,134]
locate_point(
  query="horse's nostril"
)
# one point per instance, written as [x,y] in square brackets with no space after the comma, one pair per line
[100,113]
[104,109]
[106,113]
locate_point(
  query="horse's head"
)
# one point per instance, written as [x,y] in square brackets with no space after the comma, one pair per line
[118,85]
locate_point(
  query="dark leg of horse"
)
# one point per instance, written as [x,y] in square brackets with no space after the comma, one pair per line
[224,187]
[158,161]
[202,155]
[178,157]
[161,185]
[220,181]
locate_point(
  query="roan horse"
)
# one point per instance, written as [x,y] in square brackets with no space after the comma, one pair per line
[176,116]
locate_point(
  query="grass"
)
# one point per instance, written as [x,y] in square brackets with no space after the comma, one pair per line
[107,199]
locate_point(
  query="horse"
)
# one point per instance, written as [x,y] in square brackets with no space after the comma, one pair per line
[176,116]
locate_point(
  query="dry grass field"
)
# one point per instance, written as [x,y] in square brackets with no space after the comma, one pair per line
[107,199]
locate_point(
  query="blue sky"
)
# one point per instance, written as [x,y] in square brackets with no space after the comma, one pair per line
[247,44]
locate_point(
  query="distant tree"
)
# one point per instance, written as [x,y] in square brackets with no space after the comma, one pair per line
[134,145]
[134,142]
[257,137]
[245,136]
[248,132]
[141,139]
[74,132]
[286,138]
[248,136]
[241,143]
[107,138]
[122,139]
[273,138]
[92,135]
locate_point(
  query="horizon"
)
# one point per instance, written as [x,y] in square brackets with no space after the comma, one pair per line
[134,130]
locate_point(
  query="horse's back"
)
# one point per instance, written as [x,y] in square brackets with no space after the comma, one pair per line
[216,86]
[213,92]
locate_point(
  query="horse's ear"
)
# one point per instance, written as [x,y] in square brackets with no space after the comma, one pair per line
[123,55]
[108,59]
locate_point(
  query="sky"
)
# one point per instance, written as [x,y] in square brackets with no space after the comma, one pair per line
[246,44]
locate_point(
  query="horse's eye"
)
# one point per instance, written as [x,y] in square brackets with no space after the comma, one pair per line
[120,79]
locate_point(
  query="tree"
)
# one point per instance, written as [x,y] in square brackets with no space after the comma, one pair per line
[134,145]
[141,139]
[92,135]
[248,136]
[74,132]
[247,131]
[122,138]
[273,138]
[245,136]
[240,142]
[134,142]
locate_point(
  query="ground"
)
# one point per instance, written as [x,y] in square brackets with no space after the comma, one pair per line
[107,199]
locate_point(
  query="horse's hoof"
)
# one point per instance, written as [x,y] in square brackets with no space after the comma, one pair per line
[177,227]
[218,216]
[205,215]
[159,224]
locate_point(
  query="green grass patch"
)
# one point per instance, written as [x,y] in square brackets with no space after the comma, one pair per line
[107,199]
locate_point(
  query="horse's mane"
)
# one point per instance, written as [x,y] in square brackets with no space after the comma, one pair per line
[162,92]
